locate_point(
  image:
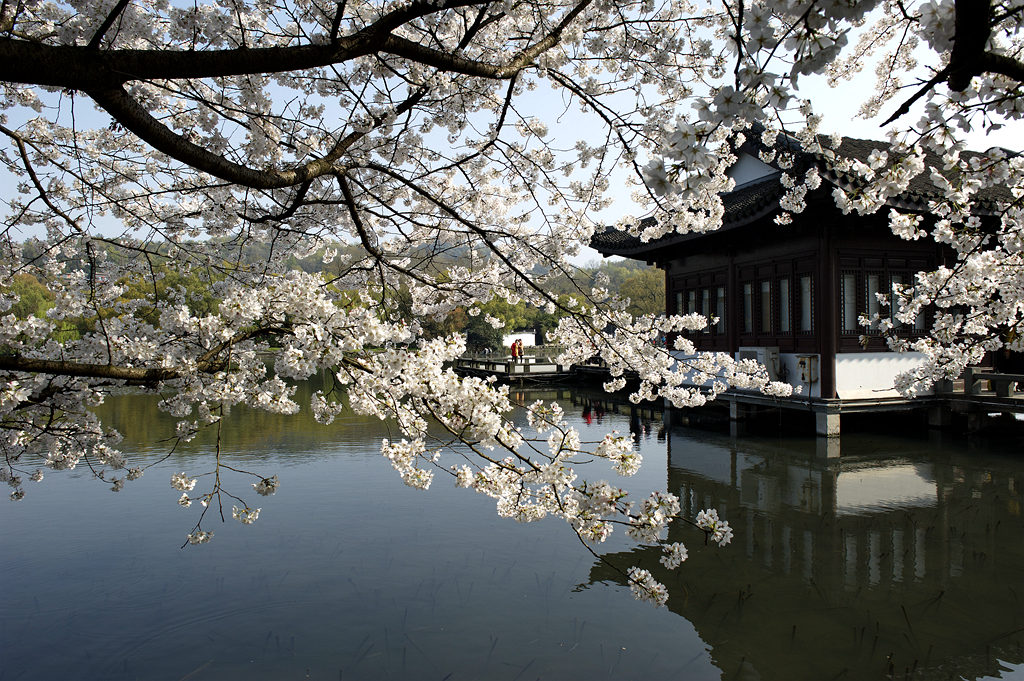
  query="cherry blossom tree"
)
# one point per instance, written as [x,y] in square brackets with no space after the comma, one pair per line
[150,140]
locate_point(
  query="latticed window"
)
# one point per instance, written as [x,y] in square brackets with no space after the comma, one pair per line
[704,293]
[777,300]
[804,303]
[867,286]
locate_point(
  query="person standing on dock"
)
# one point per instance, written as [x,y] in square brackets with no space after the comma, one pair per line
[515,351]
[519,349]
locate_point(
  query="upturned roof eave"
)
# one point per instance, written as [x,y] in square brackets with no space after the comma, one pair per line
[910,200]
[645,248]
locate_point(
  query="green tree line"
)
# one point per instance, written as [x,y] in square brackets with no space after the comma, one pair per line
[195,287]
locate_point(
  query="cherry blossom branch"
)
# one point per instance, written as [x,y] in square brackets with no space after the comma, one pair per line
[904,108]
[24,61]
[205,363]
[115,12]
[19,141]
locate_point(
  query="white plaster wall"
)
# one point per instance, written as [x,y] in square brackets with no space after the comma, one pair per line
[789,367]
[747,169]
[863,375]
[859,375]
[528,337]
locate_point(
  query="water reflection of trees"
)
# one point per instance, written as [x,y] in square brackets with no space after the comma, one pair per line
[855,568]
[250,434]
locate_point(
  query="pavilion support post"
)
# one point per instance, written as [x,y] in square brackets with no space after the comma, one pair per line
[940,416]
[739,412]
[827,423]
[827,448]
[976,421]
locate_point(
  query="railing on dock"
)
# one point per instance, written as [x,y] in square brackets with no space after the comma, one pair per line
[977,380]
[509,367]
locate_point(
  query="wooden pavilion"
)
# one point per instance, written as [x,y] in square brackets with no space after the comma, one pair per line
[790,295]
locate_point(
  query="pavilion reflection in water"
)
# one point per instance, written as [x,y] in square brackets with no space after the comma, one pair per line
[902,559]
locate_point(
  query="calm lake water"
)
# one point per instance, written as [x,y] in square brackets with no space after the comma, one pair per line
[903,558]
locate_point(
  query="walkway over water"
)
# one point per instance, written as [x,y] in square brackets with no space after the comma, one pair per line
[516,370]
[951,404]
[965,403]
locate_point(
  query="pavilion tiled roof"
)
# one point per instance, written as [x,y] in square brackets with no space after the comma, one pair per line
[761,197]
[742,205]
[921,189]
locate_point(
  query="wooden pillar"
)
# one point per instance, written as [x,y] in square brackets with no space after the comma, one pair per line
[733,308]
[669,293]
[826,308]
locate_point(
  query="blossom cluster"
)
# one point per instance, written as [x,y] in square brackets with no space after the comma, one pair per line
[266,486]
[645,587]
[246,516]
[717,529]
[674,555]
[621,451]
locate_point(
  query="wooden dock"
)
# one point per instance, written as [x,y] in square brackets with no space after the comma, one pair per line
[966,404]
